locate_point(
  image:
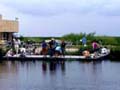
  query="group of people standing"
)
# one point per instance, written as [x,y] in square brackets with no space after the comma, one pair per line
[53,48]
[15,46]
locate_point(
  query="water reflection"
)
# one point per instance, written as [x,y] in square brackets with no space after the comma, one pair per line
[44,66]
[59,75]
[8,67]
[53,66]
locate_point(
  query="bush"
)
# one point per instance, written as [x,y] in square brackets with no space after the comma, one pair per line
[2,52]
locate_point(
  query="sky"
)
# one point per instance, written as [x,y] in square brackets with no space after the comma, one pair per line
[60,17]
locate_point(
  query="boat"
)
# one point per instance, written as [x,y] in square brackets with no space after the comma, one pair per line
[93,56]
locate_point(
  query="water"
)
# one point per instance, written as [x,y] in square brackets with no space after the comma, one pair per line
[68,75]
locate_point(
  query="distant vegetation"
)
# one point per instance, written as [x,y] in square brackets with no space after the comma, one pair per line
[75,39]
[36,39]
[105,40]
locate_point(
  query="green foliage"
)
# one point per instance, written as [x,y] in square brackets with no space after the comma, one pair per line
[105,40]
[21,38]
[33,39]
[75,39]
[37,39]
[117,40]
[3,51]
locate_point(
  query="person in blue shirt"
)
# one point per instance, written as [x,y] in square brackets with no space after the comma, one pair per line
[84,41]
[58,50]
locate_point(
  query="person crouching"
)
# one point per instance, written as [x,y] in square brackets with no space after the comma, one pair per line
[58,50]
[23,51]
[86,53]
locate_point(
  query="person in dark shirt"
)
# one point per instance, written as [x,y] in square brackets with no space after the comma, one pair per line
[63,44]
[44,48]
[52,46]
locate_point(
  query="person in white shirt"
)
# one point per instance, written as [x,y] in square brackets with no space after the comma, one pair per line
[9,53]
[16,45]
[103,50]
[23,51]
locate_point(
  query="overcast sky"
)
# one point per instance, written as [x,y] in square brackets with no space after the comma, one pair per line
[59,17]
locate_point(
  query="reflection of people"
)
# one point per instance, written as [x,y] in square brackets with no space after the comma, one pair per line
[84,41]
[63,66]
[44,66]
[52,66]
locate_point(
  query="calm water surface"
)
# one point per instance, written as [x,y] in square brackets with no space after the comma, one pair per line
[68,75]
